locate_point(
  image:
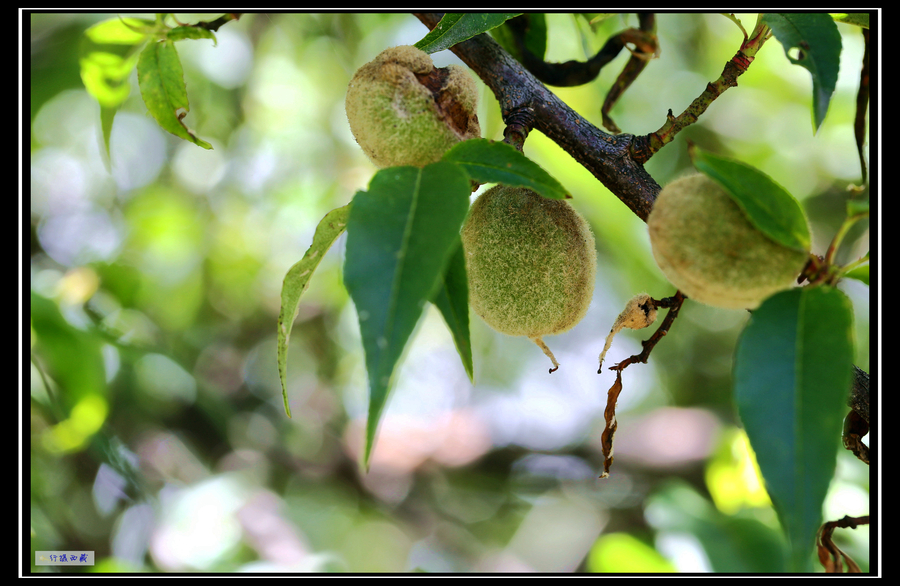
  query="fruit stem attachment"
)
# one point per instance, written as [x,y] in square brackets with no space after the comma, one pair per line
[519,123]
[540,342]
[822,269]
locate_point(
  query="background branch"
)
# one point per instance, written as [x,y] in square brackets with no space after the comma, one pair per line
[568,74]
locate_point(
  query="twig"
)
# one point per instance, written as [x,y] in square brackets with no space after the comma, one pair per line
[647,47]
[609,414]
[646,146]
[674,305]
[567,74]
[830,556]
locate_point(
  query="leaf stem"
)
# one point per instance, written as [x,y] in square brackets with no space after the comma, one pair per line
[839,236]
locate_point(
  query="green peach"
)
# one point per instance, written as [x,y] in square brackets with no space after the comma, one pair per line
[404,111]
[707,247]
[531,263]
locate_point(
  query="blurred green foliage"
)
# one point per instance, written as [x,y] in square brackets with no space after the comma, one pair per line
[158,437]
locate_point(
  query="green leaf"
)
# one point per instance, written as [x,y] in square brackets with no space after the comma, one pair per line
[767,204]
[623,553]
[487,161]
[792,375]
[860,273]
[72,356]
[296,282]
[107,56]
[860,19]
[108,53]
[598,17]
[735,544]
[455,28]
[161,80]
[400,235]
[857,207]
[452,299]
[816,42]
[119,31]
[107,117]
[190,32]
[534,38]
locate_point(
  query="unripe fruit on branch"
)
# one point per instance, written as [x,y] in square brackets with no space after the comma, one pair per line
[707,247]
[531,263]
[404,111]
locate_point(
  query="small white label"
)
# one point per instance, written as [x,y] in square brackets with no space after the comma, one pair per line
[63,558]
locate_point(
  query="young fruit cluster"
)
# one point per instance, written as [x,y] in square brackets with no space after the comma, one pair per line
[531,263]
[707,247]
[404,111]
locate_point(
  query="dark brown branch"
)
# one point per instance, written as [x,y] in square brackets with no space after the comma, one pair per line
[213,25]
[573,73]
[859,393]
[570,73]
[854,430]
[607,157]
[647,47]
[862,101]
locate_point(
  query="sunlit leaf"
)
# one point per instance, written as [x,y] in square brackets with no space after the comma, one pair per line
[296,282]
[622,553]
[161,79]
[108,54]
[119,31]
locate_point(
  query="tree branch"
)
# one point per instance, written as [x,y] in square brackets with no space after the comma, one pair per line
[607,157]
[859,393]
[570,73]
